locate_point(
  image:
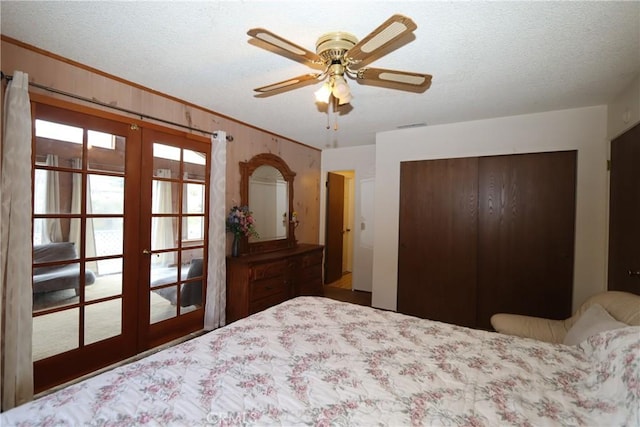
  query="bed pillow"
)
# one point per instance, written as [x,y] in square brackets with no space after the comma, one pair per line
[593,321]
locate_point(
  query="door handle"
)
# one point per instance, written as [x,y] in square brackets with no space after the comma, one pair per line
[633,273]
[148,252]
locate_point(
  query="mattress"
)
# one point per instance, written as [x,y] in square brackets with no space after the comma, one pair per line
[316,361]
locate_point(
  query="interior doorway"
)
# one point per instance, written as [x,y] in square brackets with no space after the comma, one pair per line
[338,230]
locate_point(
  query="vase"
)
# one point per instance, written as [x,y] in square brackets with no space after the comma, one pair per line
[235,246]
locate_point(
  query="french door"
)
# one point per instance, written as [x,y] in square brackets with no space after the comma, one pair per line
[119,235]
[173,228]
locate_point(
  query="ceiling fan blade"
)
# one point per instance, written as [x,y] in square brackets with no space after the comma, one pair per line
[403,79]
[287,83]
[281,43]
[391,30]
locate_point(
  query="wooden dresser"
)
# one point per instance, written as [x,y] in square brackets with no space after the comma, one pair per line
[259,281]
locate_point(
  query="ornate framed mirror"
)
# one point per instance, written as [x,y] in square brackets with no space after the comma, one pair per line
[266,187]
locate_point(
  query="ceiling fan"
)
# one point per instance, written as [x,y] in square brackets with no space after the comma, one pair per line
[339,54]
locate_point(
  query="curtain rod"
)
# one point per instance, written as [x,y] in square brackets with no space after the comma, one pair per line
[6,77]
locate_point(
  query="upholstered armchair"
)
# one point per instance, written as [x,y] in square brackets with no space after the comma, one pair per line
[619,307]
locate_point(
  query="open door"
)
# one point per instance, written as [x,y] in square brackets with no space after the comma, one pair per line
[334,228]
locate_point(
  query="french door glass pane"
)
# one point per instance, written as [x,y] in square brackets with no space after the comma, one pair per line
[107,267]
[108,281]
[163,268]
[106,152]
[187,309]
[55,285]
[46,301]
[163,233]
[166,161]
[194,198]
[107,235]
[58,131]
[160,307]
[56,192]
[103,320]
[193,271]
[55,333]
[58,145]
[194,165]
[194,253]
[165,197]
[193,227]
[106,195]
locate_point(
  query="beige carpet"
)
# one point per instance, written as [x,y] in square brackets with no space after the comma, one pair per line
[58,332]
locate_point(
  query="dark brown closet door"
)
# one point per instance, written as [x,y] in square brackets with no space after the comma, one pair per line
[624,213]
[526,235]
[437,240]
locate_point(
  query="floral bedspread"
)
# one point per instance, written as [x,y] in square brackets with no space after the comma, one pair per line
[315,361]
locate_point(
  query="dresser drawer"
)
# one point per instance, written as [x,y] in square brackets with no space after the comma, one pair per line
[259,280]
[310,273]
[267,287]
[266,270]
[314,258]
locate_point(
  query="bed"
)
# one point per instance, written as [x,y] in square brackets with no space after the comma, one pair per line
[315,361]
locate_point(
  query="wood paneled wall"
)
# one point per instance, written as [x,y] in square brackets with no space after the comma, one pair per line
[65,75]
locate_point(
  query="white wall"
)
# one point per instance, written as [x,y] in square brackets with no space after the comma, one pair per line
[584,129]
[361,160]
[624,110]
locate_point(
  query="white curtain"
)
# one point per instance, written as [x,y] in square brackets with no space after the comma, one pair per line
[52,202]
[162,227]
[16,366]
[216,298]
[76,208]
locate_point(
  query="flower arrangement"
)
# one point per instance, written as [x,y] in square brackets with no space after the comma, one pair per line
[240,222]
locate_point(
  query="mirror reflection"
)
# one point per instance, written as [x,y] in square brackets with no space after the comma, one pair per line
[266,187]
[268,193]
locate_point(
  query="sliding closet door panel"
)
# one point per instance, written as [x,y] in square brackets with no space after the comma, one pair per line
[526,235]
[437,240]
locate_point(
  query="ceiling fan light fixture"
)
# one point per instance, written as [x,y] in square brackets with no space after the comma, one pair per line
[340,89]
[345,100]
[340,54]
[323,94]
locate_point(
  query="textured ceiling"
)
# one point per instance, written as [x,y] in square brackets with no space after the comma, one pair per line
[488,59]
